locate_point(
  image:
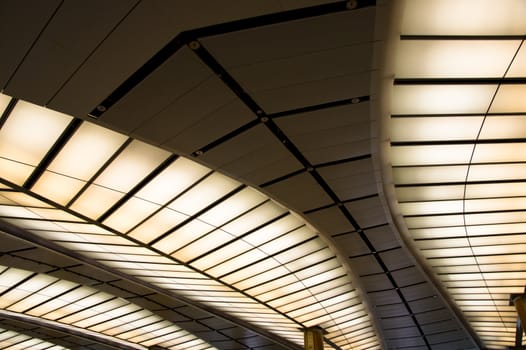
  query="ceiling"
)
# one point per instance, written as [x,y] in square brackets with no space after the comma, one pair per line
[199,175]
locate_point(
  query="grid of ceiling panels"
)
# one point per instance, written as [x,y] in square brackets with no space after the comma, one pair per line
[65,265]
[174,224]
[11,340]
[302,131]
[458,152]
[330,144]
[52,299]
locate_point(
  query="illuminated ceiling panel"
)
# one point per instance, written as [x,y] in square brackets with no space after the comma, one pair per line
[458,142]
[82,308]
[11,340]
[182,227]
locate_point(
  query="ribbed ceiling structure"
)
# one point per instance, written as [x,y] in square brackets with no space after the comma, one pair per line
[457,133]
[224,175]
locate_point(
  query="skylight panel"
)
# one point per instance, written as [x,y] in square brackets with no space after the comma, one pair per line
[211,189]
[509,99]
[430,174]
[226,253]
[172,181]
[431,155]
[428,128]
[179,208]
[441,99]
[500,152]
[461,17]
[157,224]
[43,295]
[130,214]
[454,58]
[422,193]
[503,127]
[26,122]
[4,102]
[126,171]
[260,215]
[183,236]
[239,203]
[82,156]
[25,289]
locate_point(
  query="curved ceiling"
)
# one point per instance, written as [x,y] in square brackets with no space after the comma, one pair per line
[218,169]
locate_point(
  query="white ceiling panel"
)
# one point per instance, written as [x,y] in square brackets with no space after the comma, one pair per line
[518,67]
[454,58]
[452,17]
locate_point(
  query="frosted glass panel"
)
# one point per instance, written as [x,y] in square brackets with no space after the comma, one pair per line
[131,166]
[232,207]
[59,188]
[518,67]
[172,181]
[28,122]
[430,174]
[130,214]
[509,98]
[441,99]
[431,155]
[96,200]
[504,127]
[157,224]
[203,194]
[435,128]
[462,17]
[454,58]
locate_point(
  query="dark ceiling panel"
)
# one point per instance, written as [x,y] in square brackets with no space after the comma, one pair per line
[331,221]
[352,179]
[314,92]
[162,89]
[330,134]
[26,19]
[255,155]
[294,38]
[305,194]
[367,212]
[72,35]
